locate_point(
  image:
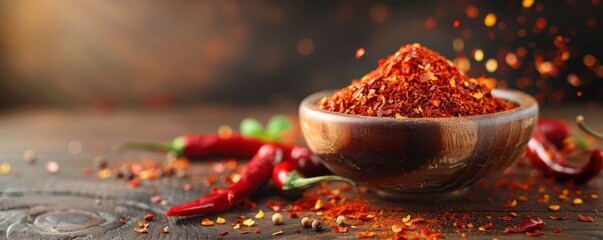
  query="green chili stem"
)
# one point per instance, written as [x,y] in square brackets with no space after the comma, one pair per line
[295,183]
[587,129]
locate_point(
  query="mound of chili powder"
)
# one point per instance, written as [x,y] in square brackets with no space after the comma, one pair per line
[415,82]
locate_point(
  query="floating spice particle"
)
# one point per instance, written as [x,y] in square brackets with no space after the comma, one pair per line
[306,222]
[456,23]
[316,225]
[583,218]
[224,131]
[562,197]
[222,234]
[4,168]
[365,234]
[554,208]
[248,222]
[277,218]
[206,222]
[149,217]
[29,156]
[52,167]
[277,233]
[594,196]
[165,230]
[522,199]
[396,228]
[122,221]
[490,20]
[237,226]
[260,214]
[220,220]
[359,53]
[577,201]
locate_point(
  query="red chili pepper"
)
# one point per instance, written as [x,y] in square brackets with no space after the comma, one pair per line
[525,226]
[197,146]
[254,175]
[288,176]
[556,131]
[544,156]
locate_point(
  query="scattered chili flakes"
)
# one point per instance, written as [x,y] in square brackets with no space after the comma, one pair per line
[554,208]
[512,203]
[406,219]
[122,221]
[277,233]
[459,224]
[339,229]
[594,196]
[557,230]
[134,183]
[522,199]
[206,222]
[396,228]
[583,218]
[149,217]
[248,222]
[297,230]
[220,220]
[577,201]
[244,232]
[165,230]
[187,187]
[535,233]
[237,226]
[141,230]
[257,231]
[318,205]
[156,199]
[365,234]
[222,234]
[486,227]
[506,218]
[556,217]
[260,214]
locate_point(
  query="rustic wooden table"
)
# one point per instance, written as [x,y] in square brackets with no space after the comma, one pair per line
[69,205]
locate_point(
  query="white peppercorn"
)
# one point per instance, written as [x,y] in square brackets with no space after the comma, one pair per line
[277,218]
[316,225]
[306,222]
[340,220]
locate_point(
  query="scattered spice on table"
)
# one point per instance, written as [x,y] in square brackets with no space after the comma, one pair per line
[526,226]
[165,230]
[415,82]
[583,218]
[149,217]
[222,234]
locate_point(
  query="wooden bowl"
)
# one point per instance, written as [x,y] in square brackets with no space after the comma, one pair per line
[419,158]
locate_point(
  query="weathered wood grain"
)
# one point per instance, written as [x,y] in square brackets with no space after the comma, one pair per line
[69,205]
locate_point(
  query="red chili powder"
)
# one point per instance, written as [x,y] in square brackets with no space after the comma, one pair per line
[415,82]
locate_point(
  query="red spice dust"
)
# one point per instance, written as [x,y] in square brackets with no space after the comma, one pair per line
[149,217]
[415,82]
[583,218]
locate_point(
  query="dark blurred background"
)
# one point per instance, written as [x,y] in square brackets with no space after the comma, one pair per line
[124,54]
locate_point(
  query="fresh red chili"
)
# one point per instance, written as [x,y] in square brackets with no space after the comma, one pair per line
[544,156]
[288,176]
[198,146]
[254,175]
[556,131]
[526,225]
